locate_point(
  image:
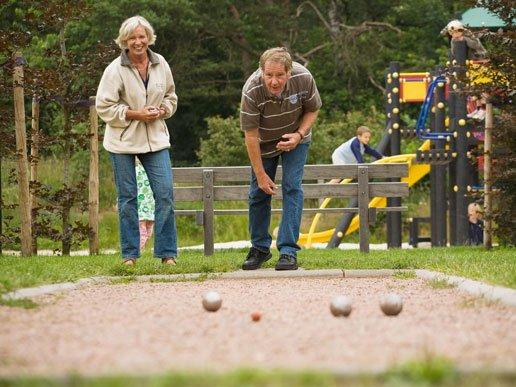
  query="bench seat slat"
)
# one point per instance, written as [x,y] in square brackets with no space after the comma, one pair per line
[333,210]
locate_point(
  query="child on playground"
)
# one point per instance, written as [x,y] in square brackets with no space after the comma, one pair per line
[457,32]
[352,151]
[476,225]
[146,205]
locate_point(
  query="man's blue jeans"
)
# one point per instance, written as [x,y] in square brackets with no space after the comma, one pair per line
[159,171]
[293,163]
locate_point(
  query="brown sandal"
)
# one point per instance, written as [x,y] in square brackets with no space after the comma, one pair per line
[169,261]
[129,262]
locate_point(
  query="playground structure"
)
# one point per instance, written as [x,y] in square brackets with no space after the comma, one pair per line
[448,152]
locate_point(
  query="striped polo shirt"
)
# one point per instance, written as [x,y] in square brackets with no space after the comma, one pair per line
[275,116]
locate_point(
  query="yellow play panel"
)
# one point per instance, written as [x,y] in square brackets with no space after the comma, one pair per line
[416,173]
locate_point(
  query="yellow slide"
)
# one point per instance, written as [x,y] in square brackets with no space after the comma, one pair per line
[416,173]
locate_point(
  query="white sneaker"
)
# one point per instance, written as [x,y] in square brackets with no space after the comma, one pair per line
[472,114]
[481,114]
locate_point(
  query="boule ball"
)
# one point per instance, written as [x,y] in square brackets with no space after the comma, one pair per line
[391,304]
[256,315]
[211,301]
[340,306]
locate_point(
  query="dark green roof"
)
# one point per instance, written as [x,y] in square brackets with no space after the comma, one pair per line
[481,17]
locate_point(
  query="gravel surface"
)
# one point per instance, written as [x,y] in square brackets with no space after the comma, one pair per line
[155,327]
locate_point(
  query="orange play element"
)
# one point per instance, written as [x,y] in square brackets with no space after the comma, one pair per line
[413,87]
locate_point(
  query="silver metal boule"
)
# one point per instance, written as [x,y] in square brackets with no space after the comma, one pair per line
[340,306]
[212,301]
[391,304]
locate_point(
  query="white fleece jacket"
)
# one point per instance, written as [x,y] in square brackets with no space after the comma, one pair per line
[121,88]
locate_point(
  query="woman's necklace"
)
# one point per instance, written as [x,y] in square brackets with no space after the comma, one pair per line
[142,68]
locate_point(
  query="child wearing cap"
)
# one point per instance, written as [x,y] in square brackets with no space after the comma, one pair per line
[457,32]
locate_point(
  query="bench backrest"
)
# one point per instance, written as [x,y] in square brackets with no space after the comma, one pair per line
[199,178]
[211,184]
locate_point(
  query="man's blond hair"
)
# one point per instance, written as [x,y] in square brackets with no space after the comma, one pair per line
[363,129]
[277,55]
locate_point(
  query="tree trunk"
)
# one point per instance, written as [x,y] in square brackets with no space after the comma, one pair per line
[34,153]
[66,200]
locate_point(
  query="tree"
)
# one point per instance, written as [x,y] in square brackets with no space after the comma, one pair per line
[59,74]
[501,48]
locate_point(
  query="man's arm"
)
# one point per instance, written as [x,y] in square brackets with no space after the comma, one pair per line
[291,140]
[252,143]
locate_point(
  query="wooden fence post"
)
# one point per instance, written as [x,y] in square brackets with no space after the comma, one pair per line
[34,154]
[363,207]
[93,184]
[488,195]
[21,153]
[207,199]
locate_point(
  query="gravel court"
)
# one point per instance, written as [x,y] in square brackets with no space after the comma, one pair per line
[146,327]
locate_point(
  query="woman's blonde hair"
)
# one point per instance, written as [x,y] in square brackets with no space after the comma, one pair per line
[128,27]
[277,55]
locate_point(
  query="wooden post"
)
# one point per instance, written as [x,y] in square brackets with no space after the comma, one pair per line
[34,153]
[438,202]
[21,153]
[488,195]
[394,218]
[207,182]
[1,218]
[93,186]
[459,125]
[363,207]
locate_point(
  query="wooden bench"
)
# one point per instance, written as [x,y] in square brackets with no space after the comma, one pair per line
[212,184]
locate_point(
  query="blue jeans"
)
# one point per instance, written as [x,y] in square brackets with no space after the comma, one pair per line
[159,171]
[293,163]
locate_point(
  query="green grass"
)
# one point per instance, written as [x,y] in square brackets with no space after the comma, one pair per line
[417,374]
[405,275]
[438,283]
[496,267]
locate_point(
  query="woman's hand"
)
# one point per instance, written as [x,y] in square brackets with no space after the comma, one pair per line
[150,113]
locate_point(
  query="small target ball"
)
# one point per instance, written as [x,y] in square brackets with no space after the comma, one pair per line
[212,301]
[256,315]
[340,306]
[391,304]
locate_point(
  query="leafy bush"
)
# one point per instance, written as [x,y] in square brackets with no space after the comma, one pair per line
[225,143]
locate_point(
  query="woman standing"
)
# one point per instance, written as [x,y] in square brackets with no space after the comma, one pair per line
[135,96]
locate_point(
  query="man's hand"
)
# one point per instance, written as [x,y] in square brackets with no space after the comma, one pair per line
[289,141]
[266,184]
